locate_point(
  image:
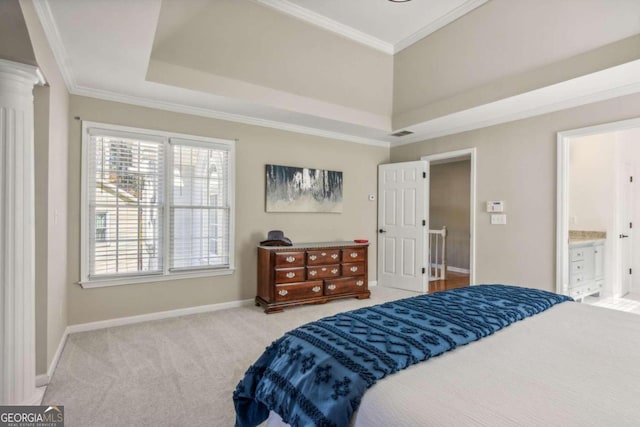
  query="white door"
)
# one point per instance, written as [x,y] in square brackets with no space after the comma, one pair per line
[403,206]
[625,204]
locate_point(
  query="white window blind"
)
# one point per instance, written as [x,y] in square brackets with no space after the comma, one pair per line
[126,199]
[200,206]
[155,204]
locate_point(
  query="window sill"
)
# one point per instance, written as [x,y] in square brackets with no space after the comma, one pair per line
[87,284]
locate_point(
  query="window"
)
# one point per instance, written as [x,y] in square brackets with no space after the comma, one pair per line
[101,227]
[161,203]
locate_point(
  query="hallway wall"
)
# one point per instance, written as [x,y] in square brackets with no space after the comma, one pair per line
[449,197]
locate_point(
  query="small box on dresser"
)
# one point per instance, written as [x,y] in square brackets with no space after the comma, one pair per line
[311,273]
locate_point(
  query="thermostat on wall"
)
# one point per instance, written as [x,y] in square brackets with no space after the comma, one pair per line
[495,206]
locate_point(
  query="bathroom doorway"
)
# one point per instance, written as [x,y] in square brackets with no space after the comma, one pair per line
[598,205]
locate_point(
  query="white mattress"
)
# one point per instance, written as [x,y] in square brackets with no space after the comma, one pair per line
[572,365]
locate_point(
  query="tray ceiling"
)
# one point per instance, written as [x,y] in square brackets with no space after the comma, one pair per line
[104,48]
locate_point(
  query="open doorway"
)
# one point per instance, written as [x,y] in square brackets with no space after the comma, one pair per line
[598,206]
[404,259]
[451,225]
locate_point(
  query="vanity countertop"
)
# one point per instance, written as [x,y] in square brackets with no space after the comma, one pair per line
[583,236]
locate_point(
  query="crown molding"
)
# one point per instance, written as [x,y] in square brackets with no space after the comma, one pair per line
[61,56]
[437,24]
[43,10]
[329,24]
[322,21]
[221,115]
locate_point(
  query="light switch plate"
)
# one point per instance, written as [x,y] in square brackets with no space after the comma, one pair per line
[498,219]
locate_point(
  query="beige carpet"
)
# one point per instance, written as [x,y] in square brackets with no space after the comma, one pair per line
[174,372]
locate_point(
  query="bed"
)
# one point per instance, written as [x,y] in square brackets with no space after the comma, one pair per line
[569,364]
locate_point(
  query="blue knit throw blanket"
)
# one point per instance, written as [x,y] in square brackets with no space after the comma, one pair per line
[316,374]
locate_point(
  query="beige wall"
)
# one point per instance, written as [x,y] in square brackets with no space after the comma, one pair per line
[508,47]
[592,185]
[256,147]
[14,37]
[516,162]
[449,196]
[51,134]
[256,44]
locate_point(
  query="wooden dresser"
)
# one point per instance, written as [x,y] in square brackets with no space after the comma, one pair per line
[311,273]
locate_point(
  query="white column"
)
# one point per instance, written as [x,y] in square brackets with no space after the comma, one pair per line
[17,227]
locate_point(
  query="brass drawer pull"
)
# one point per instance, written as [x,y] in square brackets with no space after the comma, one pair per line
[354,254]
[331,287]
[334,271]
[316,289]
[313,273]
[313,257]
[354,269]
[290,259]
[291,275]
[359,283]
[283,292]
[334,256]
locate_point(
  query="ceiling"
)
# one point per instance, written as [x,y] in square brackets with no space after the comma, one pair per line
[381,24]
[99,62]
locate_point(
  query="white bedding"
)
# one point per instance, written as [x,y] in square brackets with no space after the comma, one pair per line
[572,365]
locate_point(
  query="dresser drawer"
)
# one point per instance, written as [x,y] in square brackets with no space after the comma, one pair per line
[576,279]
[576,254]
[353,269]
[330,256]
[343,286]
[577,267]
[323,271]
[288,275]
[352,255]
[294,291]
[577,292]
[289,259]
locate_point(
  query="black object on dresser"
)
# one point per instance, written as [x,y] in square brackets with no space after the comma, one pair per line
[311,273]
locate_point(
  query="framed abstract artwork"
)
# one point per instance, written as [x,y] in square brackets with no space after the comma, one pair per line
[296,189]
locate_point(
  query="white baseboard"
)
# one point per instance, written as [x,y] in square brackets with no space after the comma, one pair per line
[44,379]
[372,283]
[120,321]
[454,269]
[58,353]
[458,269]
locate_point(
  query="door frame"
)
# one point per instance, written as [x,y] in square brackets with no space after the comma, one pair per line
[562,194]
[472,154]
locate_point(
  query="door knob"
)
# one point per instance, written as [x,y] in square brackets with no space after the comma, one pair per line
[382,231]
[623,236]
